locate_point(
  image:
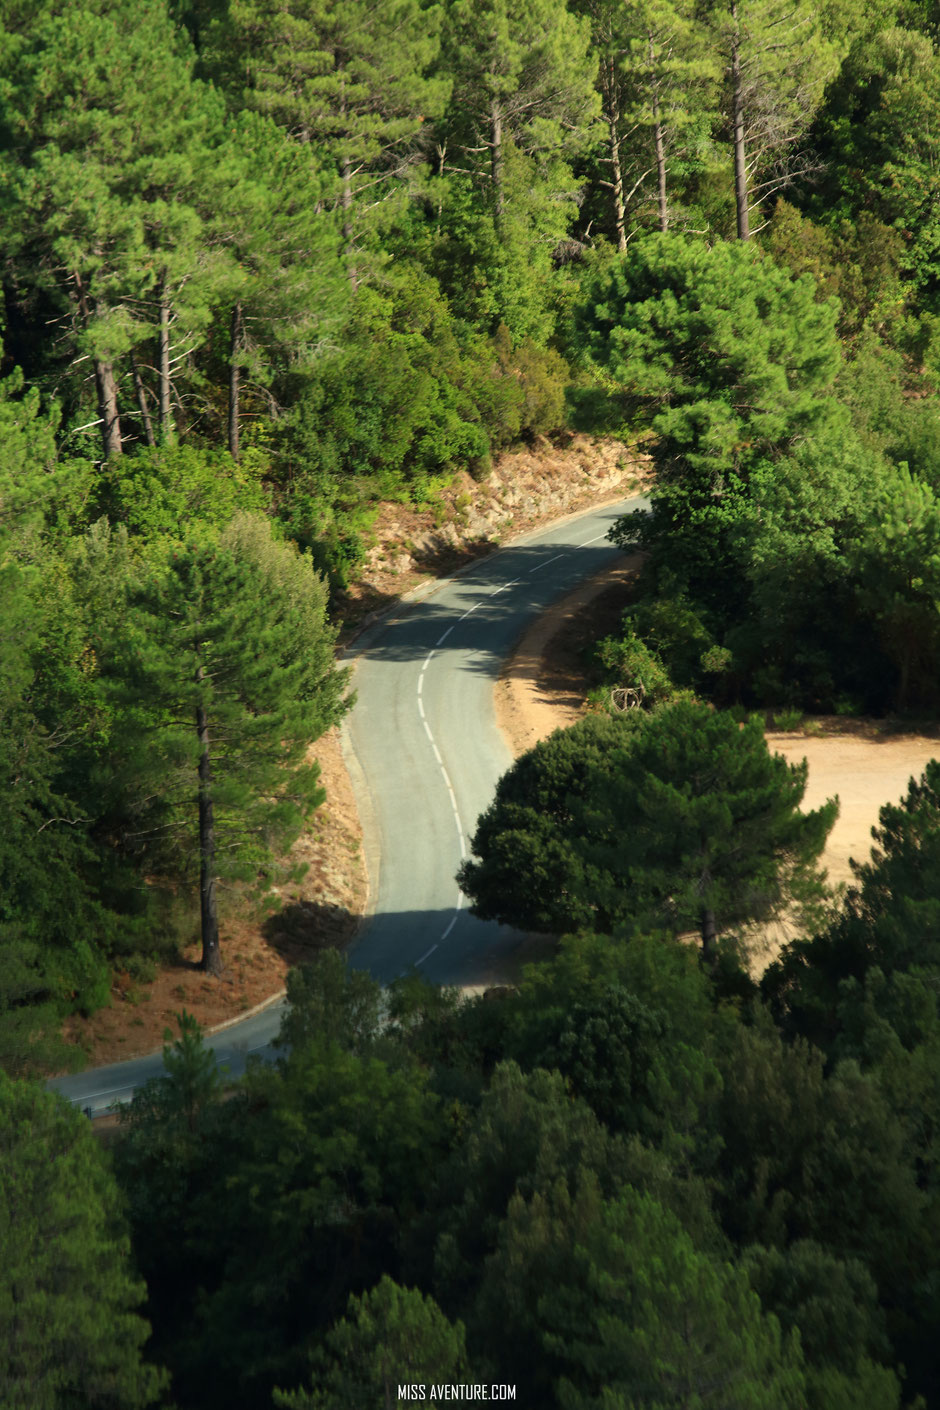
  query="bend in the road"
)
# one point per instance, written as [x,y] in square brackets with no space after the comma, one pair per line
[425,754]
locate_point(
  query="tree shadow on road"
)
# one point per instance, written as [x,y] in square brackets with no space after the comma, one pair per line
[303,929]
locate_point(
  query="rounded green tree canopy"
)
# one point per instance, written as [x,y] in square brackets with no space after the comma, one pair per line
[679,818]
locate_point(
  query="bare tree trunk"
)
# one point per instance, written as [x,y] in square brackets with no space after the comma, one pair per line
[612,118]
[496,166]
[163,367]
[141,391]
[108,408]
[620,220]
[105,385]
[660,168]
[234,383]
[709,937]
[659,143]
[737,115]
[208,909]
[346,200]
[441,152]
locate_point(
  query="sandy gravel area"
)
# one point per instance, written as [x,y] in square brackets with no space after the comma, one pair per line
[865,771]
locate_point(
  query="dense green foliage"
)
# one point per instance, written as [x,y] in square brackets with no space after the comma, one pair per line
[679,818]
[286,260]
[264,265]
[608,1186]
[793,551]
[70,1329]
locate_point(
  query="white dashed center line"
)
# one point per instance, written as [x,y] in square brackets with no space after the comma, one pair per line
[461,840]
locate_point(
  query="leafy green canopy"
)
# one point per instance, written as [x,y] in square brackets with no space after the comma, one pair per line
[680,818]
[70,1331]
[878,133]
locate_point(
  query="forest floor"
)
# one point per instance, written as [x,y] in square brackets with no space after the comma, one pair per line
[865,763]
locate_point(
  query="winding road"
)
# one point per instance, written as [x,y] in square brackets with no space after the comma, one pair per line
[424,754]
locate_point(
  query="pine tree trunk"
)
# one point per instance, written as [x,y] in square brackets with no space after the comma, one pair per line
[496,166]
[163,369]
[208,910]
[620,222]
[737,114]
[108,409]
[612,117]
[105,384]
[346,201]
[709,937]
[234,383]
[659,144]
[141,392]
[660,168]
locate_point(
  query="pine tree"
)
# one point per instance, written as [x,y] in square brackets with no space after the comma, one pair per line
[524,78]
[735,360]
[682,818]
[605,1304]
[222,676]
[70,1331]
[389,1336]
[777,62]
[672,77]
[105,140]
[354,80]
[269,212]
[656,81]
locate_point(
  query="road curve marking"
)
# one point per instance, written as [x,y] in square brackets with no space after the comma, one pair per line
[461,839]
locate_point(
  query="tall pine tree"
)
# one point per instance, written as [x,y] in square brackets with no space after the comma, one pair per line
[222,676]
[105,139]
[355,80]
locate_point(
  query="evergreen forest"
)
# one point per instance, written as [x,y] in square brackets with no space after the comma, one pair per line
[267,265]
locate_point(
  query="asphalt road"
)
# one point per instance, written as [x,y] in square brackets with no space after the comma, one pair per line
[425,754]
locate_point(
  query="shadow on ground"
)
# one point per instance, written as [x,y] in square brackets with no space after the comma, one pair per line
[304,929]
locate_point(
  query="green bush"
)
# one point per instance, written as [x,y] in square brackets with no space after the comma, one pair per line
[542,375]
[674,630]
[174,489]
[397,404]
[628,661]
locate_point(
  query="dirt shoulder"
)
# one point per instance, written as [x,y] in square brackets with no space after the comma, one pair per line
[321,911]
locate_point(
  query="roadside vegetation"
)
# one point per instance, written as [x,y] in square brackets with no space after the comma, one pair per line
[265,266]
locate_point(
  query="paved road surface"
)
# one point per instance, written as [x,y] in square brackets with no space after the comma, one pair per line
[424,754]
